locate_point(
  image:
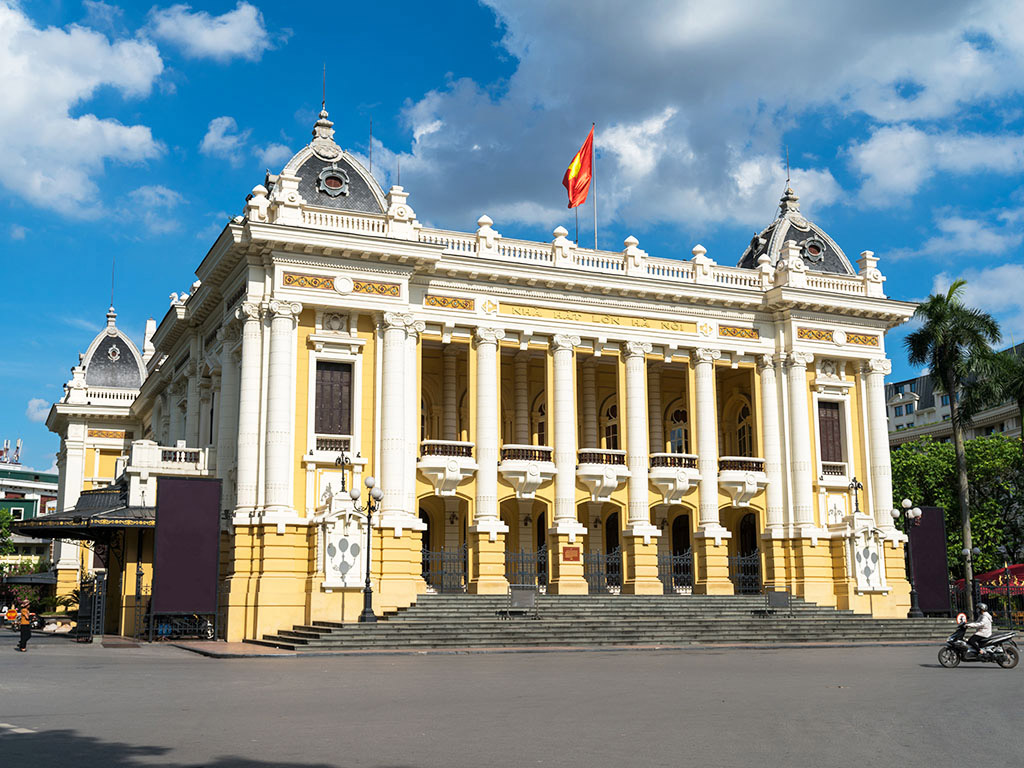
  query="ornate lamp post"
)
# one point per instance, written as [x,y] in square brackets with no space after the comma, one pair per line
[856,486]
[1005,552]
[969,555]
[373,497]
[911,517]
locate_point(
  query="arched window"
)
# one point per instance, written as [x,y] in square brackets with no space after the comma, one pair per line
[610,420]
[677,428]
[423,419]
[744,431]
[540,423]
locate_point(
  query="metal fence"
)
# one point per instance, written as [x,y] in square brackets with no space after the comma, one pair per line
[444,569]
[1005,603]
[527,568]
[603,571]
[745,573]
[676,573]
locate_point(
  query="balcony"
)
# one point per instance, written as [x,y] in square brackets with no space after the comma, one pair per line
[674,475]
[526,468]
[146,461]
[446,463]
[601,471]
[834,473]
[332,443]
[742,477]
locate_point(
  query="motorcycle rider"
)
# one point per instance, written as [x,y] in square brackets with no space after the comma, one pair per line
[982,629]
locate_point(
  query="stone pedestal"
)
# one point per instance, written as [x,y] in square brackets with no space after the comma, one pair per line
[712,567]
[775,565]
[812,577]
[566,565]
[486,563]
[640,566]
[396,569]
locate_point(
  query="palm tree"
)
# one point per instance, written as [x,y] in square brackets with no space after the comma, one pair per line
[952,340]
[998,377]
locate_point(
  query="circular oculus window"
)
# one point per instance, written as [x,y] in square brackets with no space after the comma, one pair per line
[333,181]
[814,249]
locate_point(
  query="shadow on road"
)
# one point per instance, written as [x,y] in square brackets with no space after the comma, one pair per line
[989,666]
[71,748]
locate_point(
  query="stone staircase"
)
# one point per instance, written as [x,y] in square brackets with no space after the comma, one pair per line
[472,621]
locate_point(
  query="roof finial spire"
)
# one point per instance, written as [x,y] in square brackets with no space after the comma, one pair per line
[323,103]
[787,165]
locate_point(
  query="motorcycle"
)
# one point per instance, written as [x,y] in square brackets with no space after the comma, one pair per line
[999,649]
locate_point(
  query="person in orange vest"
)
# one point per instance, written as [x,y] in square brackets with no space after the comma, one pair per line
[25,624]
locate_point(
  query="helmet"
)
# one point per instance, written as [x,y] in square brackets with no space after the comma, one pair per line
[983,607]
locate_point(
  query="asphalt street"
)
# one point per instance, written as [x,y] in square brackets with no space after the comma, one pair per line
[64,704]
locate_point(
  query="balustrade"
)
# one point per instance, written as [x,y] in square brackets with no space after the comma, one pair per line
[740,463]
[602,456]
[446,448]
[526,453]
[332,443]
[679,460]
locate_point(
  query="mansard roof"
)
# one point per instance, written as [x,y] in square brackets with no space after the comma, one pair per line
[112,360]
[819,252]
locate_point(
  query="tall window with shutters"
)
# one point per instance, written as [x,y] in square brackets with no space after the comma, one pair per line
[830,437]
[333,413]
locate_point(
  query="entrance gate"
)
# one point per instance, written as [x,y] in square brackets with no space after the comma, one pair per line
[745,573]
[603,572]
[92,598]
[676,573]
[525,568]
[444,569]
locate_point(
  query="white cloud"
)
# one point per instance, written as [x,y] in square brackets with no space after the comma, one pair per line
[960,235]
[274,156]
[48,74]
[38,409]
[240,33]
[214,228]
[18,232]
[996,290]
[223,140]
[103,17]
[155,205]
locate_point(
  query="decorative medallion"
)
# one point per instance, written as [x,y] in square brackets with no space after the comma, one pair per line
[813,250]
[734,332]
[705,329]
[343,284]
[333,181]
[815,334]
[489,306]
[335,322]
[114,353]
[450,302]
[297,280]
[863,339]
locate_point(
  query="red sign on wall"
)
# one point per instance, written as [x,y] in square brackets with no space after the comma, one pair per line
[571,554]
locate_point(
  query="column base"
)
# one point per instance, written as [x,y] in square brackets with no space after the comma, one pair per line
[486,543]
[712,560]
[67,581]
[396,564]
[566,563]
[640,562]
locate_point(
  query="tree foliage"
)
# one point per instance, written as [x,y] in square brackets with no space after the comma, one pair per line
[6,544]
[924,471]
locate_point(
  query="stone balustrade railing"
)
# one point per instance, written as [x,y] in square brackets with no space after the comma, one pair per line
[740,463]
[601,456]
[677,460]
[513,452]
[332,443]
[446,448]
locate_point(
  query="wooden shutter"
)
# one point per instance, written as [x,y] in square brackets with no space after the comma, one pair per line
[333,410]
[828,431]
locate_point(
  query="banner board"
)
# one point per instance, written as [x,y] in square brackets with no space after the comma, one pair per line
[931,571]
[186,556]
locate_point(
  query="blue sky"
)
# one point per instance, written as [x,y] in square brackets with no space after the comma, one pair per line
[134,131]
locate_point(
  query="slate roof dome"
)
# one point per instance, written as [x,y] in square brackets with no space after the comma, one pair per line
[819,252]
[112,360]
[328,176]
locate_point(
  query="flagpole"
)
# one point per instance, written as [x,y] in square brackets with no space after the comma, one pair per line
[593,178]
[576,210]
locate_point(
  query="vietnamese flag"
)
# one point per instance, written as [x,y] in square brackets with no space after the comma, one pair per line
[577,176]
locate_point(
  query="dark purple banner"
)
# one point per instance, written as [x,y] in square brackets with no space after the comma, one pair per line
[187,552]
[931,572]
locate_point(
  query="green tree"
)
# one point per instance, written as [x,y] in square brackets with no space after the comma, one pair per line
[951,341]
[998,377]
[6,544]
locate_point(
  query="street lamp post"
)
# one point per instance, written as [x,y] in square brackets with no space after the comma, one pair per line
[856,486]
[373,497]
[912,517]
[969,555]
[1005,552]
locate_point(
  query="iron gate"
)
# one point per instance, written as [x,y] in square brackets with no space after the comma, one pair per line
[444,569]
[676,573]
[745,573]
[603,571]
[526,568]
[92,594]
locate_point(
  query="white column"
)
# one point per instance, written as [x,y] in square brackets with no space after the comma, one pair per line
[205,400]
[657,426]
[250,380]
[392,416]
[72,475]
[450,415]
[226,428]
[637,438]
[874,373]
[485,516]
[412,412]
[707,436]
[564,433]
[771,439]
[521,388]
[281,369]
[589,405]
[192,404]
[800,430]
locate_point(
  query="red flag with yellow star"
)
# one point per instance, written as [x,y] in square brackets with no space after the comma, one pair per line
[577,176]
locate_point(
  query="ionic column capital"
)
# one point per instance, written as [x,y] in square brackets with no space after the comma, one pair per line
[706,355]
[285,309]
[766,361]
[563,341]
[487,335]
[247,310]
[636,349]
[799,359]
[228,334]
[878,365]
[403,321]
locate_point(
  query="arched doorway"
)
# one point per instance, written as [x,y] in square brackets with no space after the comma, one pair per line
[745,566]
[681,535]
[611,533]
[542,530]
[428,531]
[747,544]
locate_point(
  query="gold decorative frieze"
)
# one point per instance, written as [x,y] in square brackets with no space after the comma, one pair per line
[815,334]
[298,280]
[598,318]
[376,288]
[450,302]
[864,339]
[735,332]
[115,434]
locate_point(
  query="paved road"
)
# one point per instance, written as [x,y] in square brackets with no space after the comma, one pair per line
[62,704]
